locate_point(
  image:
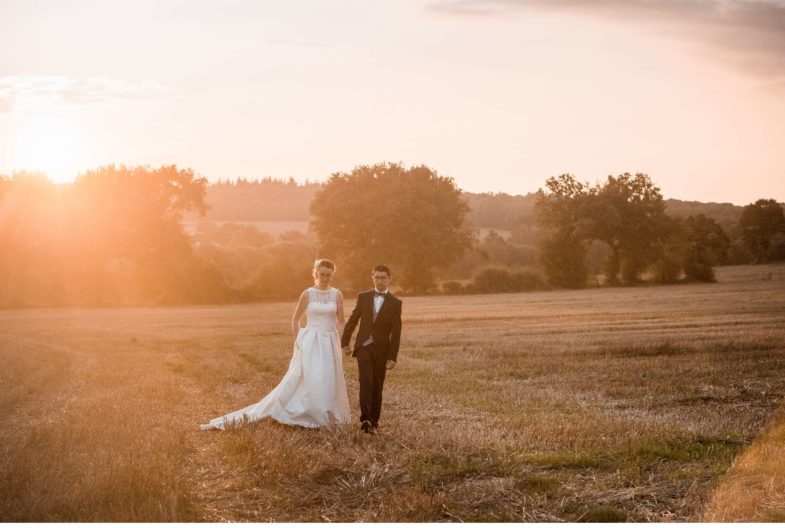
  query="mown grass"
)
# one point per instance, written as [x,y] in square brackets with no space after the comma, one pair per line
[603,405]
[754,488]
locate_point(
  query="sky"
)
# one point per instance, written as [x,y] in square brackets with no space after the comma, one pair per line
[497,94]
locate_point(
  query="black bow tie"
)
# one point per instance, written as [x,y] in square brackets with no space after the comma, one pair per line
[379,294]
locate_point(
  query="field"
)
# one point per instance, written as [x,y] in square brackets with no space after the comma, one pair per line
[593,405]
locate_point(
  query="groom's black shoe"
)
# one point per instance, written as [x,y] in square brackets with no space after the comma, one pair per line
[365,427]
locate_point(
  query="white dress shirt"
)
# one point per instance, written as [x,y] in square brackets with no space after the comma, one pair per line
[378,301]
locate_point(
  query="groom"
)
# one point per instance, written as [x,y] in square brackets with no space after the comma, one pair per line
[376,346]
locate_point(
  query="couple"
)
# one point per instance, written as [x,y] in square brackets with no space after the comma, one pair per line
[313,391]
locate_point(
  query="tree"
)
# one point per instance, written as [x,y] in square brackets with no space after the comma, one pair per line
[130,217]
[30,233]
[411,219]
[761,223]
[496,279]
[561,211]
[628,214]
[694,245]
[501,251]
[706,246]
[667,269]
[288,266]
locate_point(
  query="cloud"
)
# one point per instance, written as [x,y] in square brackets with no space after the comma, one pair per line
[20,92]
[750,34]
[294,43]
[468,8]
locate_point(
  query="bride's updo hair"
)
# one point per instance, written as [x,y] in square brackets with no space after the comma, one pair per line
[324,263]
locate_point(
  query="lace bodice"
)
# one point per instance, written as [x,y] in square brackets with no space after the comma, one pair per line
[322,307]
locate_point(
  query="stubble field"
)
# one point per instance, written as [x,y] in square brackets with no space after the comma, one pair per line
[593,405]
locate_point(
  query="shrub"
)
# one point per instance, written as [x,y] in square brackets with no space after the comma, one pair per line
[666,270]
[452,287]
[495,279]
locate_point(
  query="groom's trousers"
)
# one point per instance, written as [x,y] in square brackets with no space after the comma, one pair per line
[372,367]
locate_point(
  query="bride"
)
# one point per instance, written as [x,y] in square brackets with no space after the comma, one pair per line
[312,393]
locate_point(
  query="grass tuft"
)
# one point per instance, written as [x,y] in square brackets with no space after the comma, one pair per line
[571,461]
[538,485]
[603,514]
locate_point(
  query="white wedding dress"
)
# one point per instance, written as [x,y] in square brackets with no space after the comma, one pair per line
[312,393]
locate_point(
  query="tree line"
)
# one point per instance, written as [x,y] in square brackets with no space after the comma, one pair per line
[115,237]
[619,232]
[627,215]
[514,217]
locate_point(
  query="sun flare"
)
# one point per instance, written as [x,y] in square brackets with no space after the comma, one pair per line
[52,145]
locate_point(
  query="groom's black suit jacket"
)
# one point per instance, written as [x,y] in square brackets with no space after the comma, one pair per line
[386,330]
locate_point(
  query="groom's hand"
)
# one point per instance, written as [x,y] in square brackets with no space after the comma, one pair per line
[346,350]
[390,364]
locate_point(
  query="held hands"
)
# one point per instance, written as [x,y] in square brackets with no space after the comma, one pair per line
[347,351]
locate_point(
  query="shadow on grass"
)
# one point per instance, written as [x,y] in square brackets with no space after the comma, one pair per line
[572,461]
[443,467]
[700,448]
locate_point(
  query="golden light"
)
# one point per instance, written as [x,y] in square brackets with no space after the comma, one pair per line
[51,145]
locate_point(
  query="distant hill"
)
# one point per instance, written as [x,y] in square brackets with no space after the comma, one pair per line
[725,214]
[505,212]
[499,210]
[259,200]
[287,201]
[276,200]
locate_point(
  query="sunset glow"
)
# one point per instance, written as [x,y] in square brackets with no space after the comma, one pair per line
[499,95]
[50,145]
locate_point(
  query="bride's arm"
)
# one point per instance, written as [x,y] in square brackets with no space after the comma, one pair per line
[302,304]
[339,316]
